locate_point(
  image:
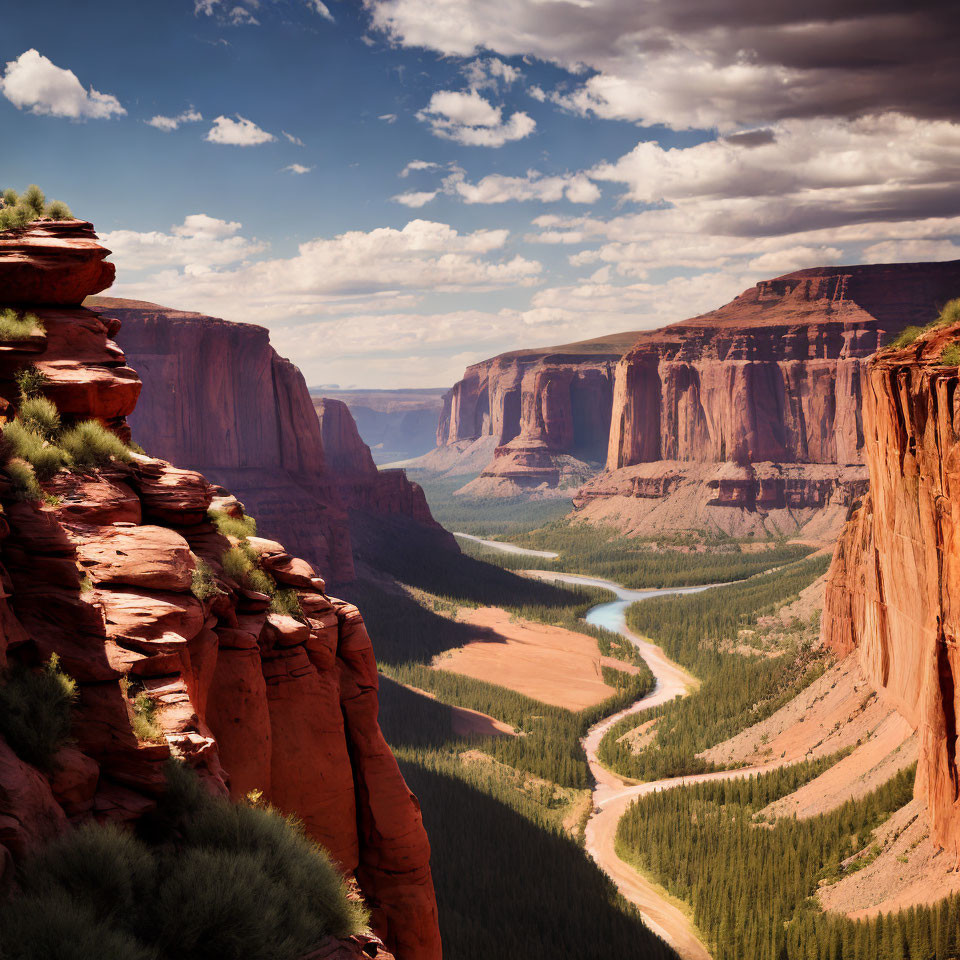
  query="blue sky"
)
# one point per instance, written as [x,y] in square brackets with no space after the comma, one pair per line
[579,167]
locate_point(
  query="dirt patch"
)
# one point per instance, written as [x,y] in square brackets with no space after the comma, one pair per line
[891,748]
[639,738]
[909,871]
[834,712]
[550,664]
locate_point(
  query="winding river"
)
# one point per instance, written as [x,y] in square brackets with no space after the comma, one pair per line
[613,795]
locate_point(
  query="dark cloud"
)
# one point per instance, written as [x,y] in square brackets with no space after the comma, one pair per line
[752,138]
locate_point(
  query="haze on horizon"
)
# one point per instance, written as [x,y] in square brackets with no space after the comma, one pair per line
[397,188]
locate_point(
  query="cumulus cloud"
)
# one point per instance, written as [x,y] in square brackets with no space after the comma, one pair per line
[168,124]
[33,82]
[297,168]
[237,15]
[496,188]
[490,72]
[238,133]
[415,198]
[415,166]
[318,6]
[468,118]
[691,64]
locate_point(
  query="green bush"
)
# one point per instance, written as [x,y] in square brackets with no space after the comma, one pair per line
[24,480]
[238,527]
[91,444]
[144,723]
[36,712]
[951,355]
[46,458]
[40,416]
[286,602]
[16,326]
[30,382]
[906,336]
[203,583]
[58,210]
[33,197]
[218,880]
[240,563]
[10,197]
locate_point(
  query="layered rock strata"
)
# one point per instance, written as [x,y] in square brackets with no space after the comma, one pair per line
[759,400]
[892,592]
[538,409]
[102,573]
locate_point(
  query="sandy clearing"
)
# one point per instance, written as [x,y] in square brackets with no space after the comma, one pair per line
[892,747]
[909,871]
[833,712]
[550,664]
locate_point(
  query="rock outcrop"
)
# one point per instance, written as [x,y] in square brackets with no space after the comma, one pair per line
[217,398]
[104,573]
[893,591]
[545,413]
[749,416]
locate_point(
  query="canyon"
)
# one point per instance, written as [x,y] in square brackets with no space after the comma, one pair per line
[102,573]
[890,598]
[744,420]
[217,398]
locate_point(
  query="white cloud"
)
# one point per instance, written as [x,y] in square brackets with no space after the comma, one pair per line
[496,188]
[414,198]
[239,133]
[168,124]
[693,64]
[320,7]
[198,244]
[415,166]
[297,168]
[538,93]
[491,73]
[388,117]
[325,273]
[296,141]
[238,15]
[35,83]
[468,118]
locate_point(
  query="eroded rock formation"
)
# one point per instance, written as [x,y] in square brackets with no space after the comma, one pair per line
[102,574]
[751,414]
[892,594]
[546,413]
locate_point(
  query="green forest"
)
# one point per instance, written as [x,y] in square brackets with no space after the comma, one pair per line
[752,886]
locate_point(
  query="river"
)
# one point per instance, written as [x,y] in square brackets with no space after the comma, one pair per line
[613,795]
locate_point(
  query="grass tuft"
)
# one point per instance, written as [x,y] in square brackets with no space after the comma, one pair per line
[91,444]
[203,583]
[18,326]
[237,527]
[24,480]
[41,417]
[30,382]
[36,708]
[46,458]
[951,355]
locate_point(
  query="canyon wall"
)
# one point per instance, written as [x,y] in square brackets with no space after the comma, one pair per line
[748,418]
[102,573]
[893,592]
[544,415]
[217,398]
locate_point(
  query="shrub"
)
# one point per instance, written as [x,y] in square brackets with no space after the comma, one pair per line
[951,355]
[46,458]
[949,313]
[10,197]
[287,602]
[906,336]
[203,584]
[240,564]
[36,712]
[143,721]
[24,480]
[91,444]
[15,326]
[30,382]
[58,210]
[34,199]
[40,416]
[238,527]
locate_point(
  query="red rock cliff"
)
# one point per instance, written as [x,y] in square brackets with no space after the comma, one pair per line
[893,594]
[252,699]
[535,406]
[759,401]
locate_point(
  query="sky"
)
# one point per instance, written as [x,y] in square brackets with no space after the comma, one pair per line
[398,188]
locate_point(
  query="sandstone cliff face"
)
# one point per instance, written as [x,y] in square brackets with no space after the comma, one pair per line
[360,484]
[535,406]
[892,592]
[774,377]
[251,699]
